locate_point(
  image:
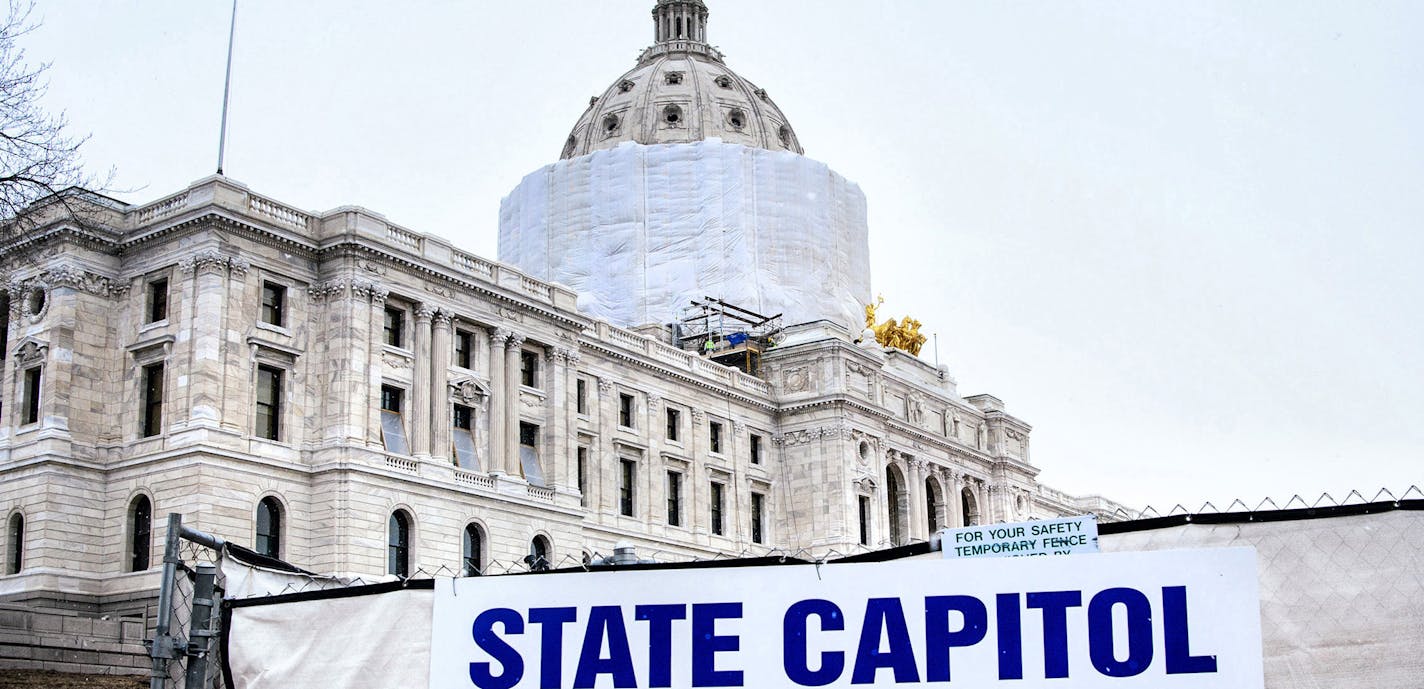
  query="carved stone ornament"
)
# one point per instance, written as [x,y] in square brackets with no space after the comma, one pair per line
[424,313]
[395,361]
[865,484]
[371,266]
[31,352]
[213,260]
[511,314]
[443,318]
[74,277]
[654,399]
[515,341]
[440,290]
[605,386]
[796,379]
[468,392]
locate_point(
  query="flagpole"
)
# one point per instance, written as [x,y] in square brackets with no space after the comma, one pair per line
[227,85]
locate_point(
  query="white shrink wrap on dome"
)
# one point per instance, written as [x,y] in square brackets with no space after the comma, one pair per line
[640,231]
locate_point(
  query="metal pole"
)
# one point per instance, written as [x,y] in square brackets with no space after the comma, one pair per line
[227,85]
[200,634]
[161,650]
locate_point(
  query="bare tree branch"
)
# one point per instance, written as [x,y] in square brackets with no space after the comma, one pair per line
[38,157]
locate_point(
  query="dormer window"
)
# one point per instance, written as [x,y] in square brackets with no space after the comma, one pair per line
[673,78]
[625,86]
[610,125]
[761,93]
[724,81]
[736,119]
[784,134]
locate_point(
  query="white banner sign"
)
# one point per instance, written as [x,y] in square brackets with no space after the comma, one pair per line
[1179,619]
[1066,536]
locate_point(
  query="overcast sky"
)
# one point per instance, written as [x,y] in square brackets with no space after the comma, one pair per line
[1180,239]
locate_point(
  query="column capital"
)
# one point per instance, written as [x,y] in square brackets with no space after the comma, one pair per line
[424,313]
[515,341]
[443,318]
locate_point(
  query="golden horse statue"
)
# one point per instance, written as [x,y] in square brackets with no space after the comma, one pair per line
[904,335]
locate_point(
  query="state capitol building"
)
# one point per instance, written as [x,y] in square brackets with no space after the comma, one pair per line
[672,350]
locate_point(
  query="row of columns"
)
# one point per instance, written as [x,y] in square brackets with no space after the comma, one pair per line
[953,483]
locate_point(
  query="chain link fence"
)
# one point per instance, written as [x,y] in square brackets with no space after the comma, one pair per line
[1326,566]
[185,648]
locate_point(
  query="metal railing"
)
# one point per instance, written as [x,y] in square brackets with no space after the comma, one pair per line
[185,647]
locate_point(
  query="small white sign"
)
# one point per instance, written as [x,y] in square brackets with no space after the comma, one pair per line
[1043,537]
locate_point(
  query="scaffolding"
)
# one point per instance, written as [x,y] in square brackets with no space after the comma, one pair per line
[727,334]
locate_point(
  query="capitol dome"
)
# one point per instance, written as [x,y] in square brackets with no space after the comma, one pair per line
[681,91]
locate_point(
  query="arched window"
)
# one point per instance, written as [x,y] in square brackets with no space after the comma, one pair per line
[16,539]
[140,533]
[539,553]
[971,507]
[398,546]
[474,546]
[269,527]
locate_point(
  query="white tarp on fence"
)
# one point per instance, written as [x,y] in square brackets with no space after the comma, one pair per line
[1342,605]
[638,231]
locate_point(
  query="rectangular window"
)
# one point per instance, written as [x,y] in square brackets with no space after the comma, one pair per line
[715,436]
[463,438]
[274,304]
[758,517]
[529,369]
[392,425]
[393,332]
[716,507]
[625,411]
[269,403]
[583,476]
[152,400]
[674,498]
[674,424]
[625,486]
[756,449]
[581,396]
[464,349]
[864,520]
[529,453]
[30,410]
[157,306]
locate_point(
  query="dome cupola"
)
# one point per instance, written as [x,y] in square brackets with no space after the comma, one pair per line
[681,91]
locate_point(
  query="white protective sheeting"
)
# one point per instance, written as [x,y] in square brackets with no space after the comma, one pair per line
[379,641]
[1342,598]
[639,231]
[1342,605]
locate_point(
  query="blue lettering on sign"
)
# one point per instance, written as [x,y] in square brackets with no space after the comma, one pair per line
[884,618]
[660,619]
[706,644]
[605,622]
[1139,632]
[1180,660]
[938,636]
[793,654]
[510,661]
[950,622]
[1054,605]
[1010,636]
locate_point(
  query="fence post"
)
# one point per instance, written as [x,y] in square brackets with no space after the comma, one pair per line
[200,629]
[162,649]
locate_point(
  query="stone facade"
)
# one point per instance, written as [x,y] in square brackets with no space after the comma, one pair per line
[170,296]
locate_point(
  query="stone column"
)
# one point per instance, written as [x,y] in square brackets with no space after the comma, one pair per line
[361,290]
[918,526]
[512,347]
[569,411]
[555,457]
[495,464]
[420,384]
[603,463]
[440,412]
[209,270]
[697,490]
